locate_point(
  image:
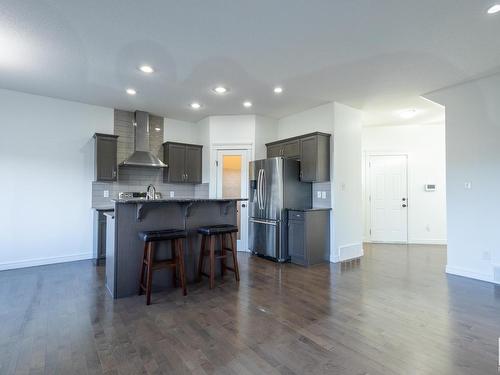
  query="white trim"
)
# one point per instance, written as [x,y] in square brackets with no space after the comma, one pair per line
[464,272]
[348,252]
[44,261]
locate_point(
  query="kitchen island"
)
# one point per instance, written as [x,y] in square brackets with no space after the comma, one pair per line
[124,249]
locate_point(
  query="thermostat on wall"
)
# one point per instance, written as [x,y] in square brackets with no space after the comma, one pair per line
[430,187]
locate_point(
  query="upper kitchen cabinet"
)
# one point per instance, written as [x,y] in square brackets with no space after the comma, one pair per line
[289,149]
[184,163]
[313,151]
[105,158]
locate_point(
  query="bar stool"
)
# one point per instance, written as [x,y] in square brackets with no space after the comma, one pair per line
[148,260]
[209,234]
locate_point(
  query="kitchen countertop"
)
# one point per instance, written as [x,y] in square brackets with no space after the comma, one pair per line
[176,200]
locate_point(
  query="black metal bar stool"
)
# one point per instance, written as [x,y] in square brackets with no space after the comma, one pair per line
[148,260]
[223,233]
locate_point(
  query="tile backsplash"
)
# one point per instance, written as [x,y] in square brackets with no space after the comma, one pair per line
[324,188]
[137,178]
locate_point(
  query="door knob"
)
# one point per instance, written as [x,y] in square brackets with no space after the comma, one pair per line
[404,199]
[243,205]
[404,205]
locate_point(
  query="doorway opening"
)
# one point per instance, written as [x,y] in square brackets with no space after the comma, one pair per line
[232,182]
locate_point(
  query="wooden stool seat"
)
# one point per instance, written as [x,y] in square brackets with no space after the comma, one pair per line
[223,233]
[149,264]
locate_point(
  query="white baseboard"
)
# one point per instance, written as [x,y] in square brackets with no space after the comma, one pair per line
[432,241]
[464,272]
[348,252]
[44,261]
[413,242]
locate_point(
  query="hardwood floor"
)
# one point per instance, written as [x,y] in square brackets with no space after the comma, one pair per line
[393,312]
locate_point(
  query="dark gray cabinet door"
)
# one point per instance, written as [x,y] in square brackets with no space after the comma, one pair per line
[274,151]
[105,158]
[193,164]
[296,242]
[291,150]
[308,158]
[176,160]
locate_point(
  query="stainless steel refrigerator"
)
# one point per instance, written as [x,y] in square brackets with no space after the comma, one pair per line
[274,187]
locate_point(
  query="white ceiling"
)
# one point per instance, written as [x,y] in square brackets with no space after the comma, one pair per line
[376,55]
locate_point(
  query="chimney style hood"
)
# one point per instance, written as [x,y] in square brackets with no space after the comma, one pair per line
[142,156]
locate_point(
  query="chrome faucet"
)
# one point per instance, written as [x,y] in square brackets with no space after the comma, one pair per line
[151,192]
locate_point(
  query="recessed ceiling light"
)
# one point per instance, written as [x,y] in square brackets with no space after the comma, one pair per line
[494,9]
[220,90]
[195,105]
[278,90]
[146,69]
[247,104]
[408,113]
[131,92]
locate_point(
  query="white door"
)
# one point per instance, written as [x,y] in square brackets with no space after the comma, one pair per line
[232,182]
[388,198]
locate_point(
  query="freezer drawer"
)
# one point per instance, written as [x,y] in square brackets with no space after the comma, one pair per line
[264,238]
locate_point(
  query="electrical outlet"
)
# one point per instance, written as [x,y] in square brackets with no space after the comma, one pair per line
[172,194]
[106,193]
[468,185]
[318,194]
[323,194]
[428,228]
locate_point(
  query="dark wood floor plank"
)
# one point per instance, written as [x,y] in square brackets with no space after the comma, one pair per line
[393,312]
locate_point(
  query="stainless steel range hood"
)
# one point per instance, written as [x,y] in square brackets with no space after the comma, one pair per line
[142,156]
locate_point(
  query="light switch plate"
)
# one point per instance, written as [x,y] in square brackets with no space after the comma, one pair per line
[323,194]
[172,194]
[318,194]
[468,185]
[106,193]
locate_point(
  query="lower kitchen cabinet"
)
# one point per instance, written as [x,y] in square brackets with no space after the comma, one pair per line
[309,236]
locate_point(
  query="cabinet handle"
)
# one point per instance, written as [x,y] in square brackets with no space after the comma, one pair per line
[186,176]
[114,173]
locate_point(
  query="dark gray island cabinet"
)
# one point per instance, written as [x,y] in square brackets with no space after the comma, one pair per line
[124,249]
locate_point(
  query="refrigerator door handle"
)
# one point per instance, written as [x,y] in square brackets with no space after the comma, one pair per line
[263,222]
[264,189]
[261,189]
[258,189]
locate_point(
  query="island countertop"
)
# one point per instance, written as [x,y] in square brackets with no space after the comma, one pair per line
[176,200]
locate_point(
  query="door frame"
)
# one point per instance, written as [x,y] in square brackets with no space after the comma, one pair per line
[367,190]
[248,148]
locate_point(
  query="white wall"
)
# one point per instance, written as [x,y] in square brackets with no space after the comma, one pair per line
[345,163]
[266,130]
[46,170]
[473,155]
[346,187]
[425,147]
[180,131]
[315,119]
